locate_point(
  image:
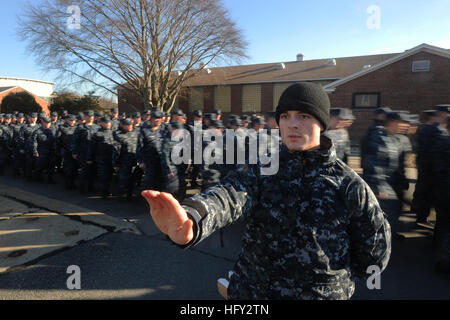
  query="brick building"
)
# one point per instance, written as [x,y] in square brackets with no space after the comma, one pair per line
[414,80]
[4,91]
[253,88]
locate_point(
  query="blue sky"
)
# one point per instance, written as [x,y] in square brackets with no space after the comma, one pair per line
[278,30]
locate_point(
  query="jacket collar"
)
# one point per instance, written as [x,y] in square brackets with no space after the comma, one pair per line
[323,157]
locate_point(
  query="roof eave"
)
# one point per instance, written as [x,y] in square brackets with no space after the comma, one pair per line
[407,53]
[259,82]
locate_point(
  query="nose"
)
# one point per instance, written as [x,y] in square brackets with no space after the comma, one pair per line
[292,123]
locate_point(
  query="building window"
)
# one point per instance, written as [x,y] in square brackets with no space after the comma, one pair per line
[366,100]
[196,99]
[251,98]
[278,89]
[222,98]
[421,66]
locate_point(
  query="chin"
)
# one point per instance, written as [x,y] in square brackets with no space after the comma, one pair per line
[295,147]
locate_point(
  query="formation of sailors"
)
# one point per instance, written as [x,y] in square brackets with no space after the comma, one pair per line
[134,153]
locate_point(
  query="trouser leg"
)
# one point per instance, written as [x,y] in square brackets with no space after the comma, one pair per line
[422,203]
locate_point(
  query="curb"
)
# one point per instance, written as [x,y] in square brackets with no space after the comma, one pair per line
[83,215]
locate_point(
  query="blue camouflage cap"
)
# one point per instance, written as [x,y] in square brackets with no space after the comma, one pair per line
[384,110]
[443,108]
[198,113]
[71,117]
[398,115]
[126,121]
[157,114]
[105,119]
[236,122]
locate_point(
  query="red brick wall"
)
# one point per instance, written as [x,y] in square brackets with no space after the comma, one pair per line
[400,88]
[44,104]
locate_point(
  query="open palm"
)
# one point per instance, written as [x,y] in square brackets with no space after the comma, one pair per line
[169,216]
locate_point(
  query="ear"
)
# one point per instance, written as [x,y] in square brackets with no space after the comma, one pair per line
[322,130]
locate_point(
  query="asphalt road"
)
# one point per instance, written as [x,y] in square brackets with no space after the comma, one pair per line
[145,265]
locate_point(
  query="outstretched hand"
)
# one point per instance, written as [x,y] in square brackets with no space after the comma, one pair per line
[169,216]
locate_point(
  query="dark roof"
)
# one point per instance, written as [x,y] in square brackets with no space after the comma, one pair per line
[420,48]
[5,89]
[319,69]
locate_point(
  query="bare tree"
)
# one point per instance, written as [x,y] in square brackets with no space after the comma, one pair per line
[147,46]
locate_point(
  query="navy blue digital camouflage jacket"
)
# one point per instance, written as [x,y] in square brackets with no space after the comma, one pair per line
[382,162]
[311,229]
[341,142]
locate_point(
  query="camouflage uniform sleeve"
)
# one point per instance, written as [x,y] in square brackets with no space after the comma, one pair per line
[441,151]
[166,163]
[375,161]
[75,141]
[34,142]
[117,149]
[224,203]
[405,148]
[21,138]
[10,135]
[348,147]
[92,148]
[140,148]
[369,230]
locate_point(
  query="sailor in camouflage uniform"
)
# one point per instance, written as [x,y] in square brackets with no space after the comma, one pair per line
[441,190]
[124,159]
[149,152]
[115,122]
[80,146]
[25,143]
[18,157]
[381,165]
[312,228]
[64,139]
[43,141]
[380,117]
[102,148]
[338,133]
[426,152]
[174,174]
[6,137]
[401,182]
[196,130]
[215,167]
[56,123]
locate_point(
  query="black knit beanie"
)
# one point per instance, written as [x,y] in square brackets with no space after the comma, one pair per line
[306,97]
